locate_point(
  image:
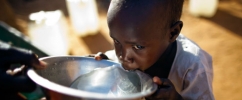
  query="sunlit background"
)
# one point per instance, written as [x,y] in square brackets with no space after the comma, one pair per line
[78,27]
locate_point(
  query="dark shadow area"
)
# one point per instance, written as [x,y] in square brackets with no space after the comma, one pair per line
[228,21]
[24,7]
[97,43]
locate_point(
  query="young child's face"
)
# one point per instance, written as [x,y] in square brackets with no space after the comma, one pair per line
[138,38]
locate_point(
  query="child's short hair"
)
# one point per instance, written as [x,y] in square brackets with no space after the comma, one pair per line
[175,9]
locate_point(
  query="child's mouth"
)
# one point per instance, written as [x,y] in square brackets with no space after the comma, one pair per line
[128,68]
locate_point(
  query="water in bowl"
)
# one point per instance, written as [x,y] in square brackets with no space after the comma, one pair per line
[112,81]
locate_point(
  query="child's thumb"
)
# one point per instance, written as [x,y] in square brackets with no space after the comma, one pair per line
[157,80]
[100,56]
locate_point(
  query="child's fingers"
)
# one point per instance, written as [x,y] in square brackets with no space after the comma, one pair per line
[157,80]
[41,65]
[97,57]
[162,82]
[165,89]
[100,56]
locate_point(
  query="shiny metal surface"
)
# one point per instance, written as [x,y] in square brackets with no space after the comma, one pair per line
[107,82]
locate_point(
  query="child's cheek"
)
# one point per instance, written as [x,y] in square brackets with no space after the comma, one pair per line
[118,49]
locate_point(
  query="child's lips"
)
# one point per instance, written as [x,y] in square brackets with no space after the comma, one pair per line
[126,67]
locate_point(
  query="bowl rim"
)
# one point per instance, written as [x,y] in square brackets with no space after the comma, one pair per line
[79,93]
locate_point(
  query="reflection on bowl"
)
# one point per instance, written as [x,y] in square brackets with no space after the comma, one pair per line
[90,80]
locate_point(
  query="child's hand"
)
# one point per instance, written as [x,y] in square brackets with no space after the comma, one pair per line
[99,56]
[165,91]
[16,80]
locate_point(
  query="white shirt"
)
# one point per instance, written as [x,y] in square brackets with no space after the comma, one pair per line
[191,72]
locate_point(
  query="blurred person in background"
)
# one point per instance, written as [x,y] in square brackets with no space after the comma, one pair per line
[13,78]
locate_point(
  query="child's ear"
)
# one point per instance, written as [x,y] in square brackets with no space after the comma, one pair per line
[175,30]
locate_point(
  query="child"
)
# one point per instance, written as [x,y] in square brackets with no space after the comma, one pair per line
[146,35]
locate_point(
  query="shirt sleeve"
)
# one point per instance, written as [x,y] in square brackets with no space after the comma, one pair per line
[198,83]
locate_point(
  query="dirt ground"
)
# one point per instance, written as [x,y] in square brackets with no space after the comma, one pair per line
[220,36]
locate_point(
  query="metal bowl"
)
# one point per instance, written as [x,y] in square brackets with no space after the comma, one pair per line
[56,80]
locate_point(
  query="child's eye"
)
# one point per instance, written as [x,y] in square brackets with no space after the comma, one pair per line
[138,47]
[115,41]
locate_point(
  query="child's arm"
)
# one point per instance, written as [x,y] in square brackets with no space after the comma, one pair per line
[198,84]
[192,72]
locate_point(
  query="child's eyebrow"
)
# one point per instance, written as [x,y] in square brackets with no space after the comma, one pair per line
[132,42]
[137,43]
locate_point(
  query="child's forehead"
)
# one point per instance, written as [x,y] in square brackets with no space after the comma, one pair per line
[147,40]
[138,11]
[141,19]
[141,5]
[132,35]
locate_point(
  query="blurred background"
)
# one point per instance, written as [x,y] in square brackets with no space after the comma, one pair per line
[79,27]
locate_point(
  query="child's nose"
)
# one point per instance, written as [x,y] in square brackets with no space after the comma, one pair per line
[126,56]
